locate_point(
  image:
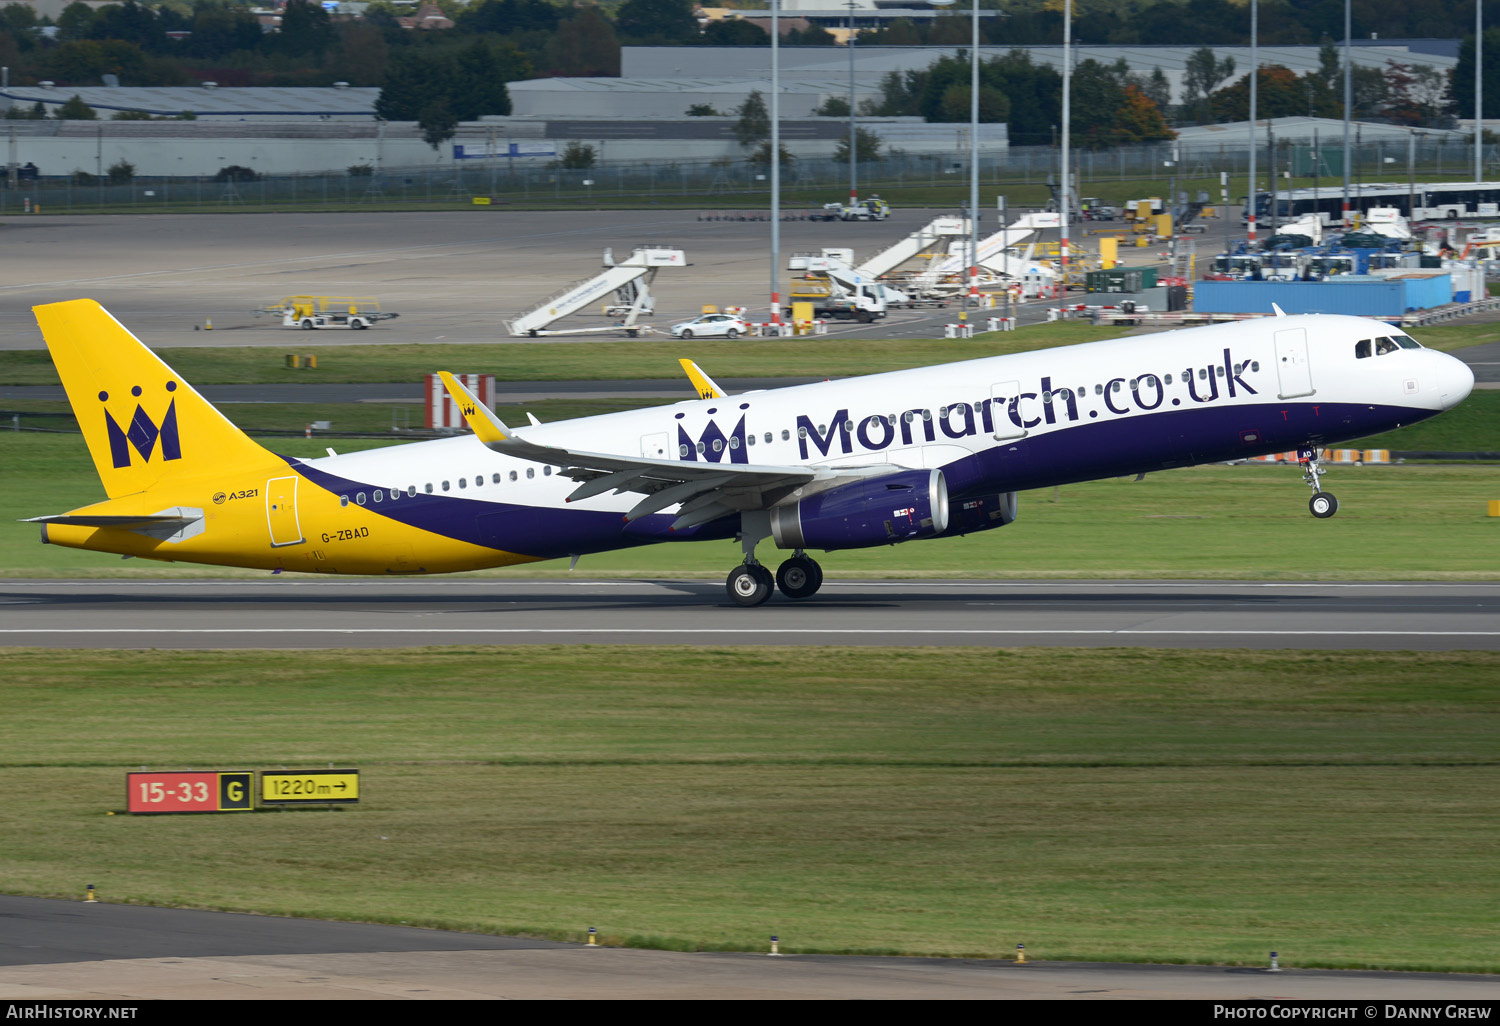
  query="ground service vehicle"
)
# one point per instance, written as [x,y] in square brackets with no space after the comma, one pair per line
[315,312]
[872,209]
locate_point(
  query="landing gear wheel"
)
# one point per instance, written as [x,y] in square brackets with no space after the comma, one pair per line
[799,577]
[1323,505]
[749,585]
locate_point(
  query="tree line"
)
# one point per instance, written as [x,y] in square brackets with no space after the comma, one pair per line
[448,75]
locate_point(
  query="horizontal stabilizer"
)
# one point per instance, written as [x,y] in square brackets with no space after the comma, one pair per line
[126,522]
[173,524]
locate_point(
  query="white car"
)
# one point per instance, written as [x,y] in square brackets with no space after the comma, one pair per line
[712,326]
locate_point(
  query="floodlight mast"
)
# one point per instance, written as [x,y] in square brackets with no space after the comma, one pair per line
[775,162]
[973,258]
[1253,202]
[853,152]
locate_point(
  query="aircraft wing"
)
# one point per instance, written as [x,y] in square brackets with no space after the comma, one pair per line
[705,491]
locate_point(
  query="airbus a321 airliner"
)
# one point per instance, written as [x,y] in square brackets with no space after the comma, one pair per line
[895,457]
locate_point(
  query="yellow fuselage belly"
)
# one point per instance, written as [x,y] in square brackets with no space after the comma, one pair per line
[323,536]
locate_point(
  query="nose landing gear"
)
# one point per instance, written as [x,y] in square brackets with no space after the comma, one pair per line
[1322,504]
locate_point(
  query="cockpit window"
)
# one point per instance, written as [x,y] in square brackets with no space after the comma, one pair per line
[1362,349]
[1384,344]
[1407,342]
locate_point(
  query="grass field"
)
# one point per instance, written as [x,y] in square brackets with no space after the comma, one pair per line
[1341,808]
[1398,522]
[561,361]
[552,361]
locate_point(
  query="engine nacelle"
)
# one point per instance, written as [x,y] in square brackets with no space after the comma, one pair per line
[981,513]
[881,510]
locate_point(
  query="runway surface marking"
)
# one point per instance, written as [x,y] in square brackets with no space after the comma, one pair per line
[469,631]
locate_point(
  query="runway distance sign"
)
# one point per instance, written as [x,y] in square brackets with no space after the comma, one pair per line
[309,787]
[189,792]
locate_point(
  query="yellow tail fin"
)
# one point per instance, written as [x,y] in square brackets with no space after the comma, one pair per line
[142,422]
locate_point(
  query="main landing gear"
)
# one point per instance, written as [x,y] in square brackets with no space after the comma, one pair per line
[751,584]
[1322,504]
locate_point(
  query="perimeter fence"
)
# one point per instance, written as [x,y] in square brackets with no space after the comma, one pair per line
[926,178]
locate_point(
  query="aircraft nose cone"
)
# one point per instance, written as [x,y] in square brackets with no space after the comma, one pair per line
[1457,381]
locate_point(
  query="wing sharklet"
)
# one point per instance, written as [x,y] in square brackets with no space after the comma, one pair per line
[706,387]
[489,428]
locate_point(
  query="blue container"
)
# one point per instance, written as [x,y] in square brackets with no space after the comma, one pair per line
[1345,294]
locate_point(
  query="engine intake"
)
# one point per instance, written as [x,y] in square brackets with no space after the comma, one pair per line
[881,510]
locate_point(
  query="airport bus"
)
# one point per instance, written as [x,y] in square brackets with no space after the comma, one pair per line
[1425,201]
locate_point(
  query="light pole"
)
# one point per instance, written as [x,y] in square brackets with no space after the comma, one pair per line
[1348,103]
[1478,90]
[973,154]
[1067,112]
[1254,79]
[775,161]
[853,151]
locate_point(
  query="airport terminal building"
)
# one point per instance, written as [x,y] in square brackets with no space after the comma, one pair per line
[639,118]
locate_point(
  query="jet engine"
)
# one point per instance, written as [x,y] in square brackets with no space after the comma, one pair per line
[981,512]
[874,511]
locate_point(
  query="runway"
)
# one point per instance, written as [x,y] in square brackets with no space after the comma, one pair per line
[361,613]
[61,950]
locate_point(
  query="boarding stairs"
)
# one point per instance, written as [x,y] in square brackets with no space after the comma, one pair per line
[629,280]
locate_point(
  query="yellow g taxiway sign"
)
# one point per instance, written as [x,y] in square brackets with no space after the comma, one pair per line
[309,787]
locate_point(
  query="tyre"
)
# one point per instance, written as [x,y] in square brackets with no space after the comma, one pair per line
[1323,505]
[685,334]
[358,325]
[307,325]
[732,334]
[799,577]
[864,317]
[748,585]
